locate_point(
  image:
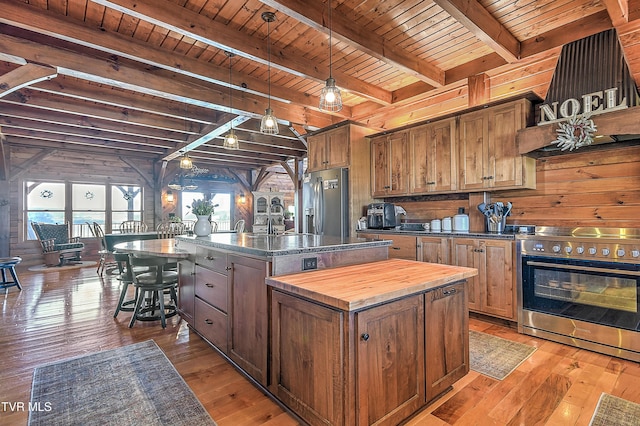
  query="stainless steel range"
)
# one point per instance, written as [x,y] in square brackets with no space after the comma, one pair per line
[581,287]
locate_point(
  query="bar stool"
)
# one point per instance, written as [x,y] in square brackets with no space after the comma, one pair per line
[10,264]
[126,278]
[150,288]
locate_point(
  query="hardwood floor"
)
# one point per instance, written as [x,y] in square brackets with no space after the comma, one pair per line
[64,314]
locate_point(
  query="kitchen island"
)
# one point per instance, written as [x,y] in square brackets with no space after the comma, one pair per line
[368,344]
[222,290]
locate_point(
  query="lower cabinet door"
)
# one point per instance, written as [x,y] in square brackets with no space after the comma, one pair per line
[390,361]
[307,361]
[446,337]
[212,324]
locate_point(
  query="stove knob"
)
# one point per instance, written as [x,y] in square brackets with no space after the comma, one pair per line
[580,250]
[556,248]
[620,252]
[567,249]
[605,252]
[635,253]
[592,250]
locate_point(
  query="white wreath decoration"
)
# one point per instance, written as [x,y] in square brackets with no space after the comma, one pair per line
[576,132]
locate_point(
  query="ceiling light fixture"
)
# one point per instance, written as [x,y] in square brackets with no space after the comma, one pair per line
[330,97]
[230,140]
[269,123]
[185,161]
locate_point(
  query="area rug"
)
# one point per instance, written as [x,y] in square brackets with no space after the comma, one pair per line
[612,410]
[45,268]
[131,385]
[494,356]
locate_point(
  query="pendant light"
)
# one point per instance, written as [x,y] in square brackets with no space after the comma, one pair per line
[269,123]
[185,161]
[230,140]
[330,97]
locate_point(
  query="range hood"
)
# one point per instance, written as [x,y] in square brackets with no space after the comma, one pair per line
[591,77]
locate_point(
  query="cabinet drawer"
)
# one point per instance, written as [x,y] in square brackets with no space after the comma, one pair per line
[212,287]
[212,259]
[212,324]
[403,247]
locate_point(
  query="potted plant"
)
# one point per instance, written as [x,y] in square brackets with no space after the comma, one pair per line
[202,209]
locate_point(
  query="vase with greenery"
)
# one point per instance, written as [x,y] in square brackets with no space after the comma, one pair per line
[203,210]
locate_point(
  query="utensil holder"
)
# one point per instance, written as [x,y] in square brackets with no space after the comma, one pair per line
[496,227]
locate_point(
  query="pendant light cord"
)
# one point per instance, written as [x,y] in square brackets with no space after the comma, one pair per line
[330,41]
[269,56]
[230,96]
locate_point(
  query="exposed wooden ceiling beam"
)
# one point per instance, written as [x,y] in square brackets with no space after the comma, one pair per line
[118,75]
[33,19]
[183,21]
[314,14]
[484,26]
[24,76]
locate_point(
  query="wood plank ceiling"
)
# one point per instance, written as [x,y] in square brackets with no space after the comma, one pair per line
[151,77]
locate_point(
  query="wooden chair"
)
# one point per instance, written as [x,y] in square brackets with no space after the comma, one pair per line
[150,288]
[129,226]
[104,252]
[170,229]
[239,226]
[58,246]
[188,226]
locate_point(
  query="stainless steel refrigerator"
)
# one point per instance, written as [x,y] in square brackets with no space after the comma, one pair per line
[325,196]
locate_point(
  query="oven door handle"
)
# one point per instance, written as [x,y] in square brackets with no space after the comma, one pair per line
[582,268]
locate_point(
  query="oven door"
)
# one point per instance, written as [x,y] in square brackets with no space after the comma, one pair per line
[604,293]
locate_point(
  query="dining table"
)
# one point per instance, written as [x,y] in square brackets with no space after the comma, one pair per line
[112,239]
[158,247]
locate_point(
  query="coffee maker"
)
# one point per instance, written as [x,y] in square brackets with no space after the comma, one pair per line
[381,216]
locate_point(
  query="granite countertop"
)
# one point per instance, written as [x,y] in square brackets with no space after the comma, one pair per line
[356,287]
[280,245]
[484,235]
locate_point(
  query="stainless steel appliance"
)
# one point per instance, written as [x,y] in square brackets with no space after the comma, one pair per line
[381,216]
[325,203]
[581,287]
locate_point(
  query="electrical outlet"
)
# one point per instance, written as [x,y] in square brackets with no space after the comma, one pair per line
[309,263]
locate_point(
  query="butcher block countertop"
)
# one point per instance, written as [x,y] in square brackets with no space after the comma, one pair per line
[356,287]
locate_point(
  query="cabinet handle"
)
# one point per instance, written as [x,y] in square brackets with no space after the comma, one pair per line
[387,187]
[192,273]
[395,248]
[431,183]
[209,285]
[364,337]
[210,258]
[208,321]
[489,177]
[450,291]
[228,268]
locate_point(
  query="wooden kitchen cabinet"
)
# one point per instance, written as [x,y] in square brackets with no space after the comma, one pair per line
[433,157]
[492,291]
[434,249]
[446,338]
[488,156]
[390,165]
[329,149]
[403,247]
[211,317]
[187,291]
[248,314]
[390,361]
[388,374]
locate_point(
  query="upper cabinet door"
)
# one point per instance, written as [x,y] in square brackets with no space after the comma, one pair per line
[399,155]
[338,147]
[317,152]
[472,151]
[380,177]
[433,157]
[505,163]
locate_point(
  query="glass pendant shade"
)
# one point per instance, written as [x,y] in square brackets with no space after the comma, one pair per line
[269,123]
[230,141]
[191,186]
[330,97]
[175,185]
[185,162]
